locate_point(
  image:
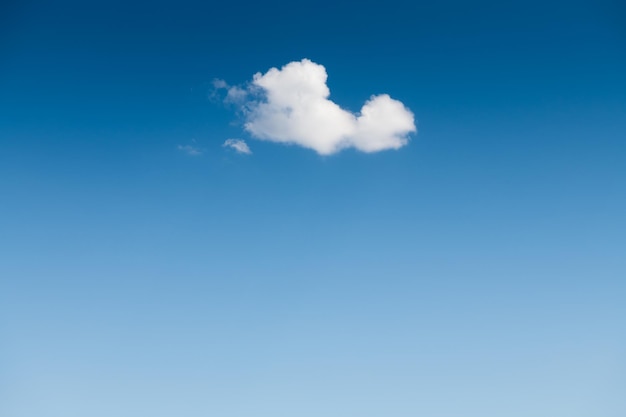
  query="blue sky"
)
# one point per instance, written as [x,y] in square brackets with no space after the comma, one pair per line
[478,270]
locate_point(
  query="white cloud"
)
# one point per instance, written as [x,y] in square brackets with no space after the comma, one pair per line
[236,95]
[219,84]
[233,94]
[294,108]
[190,150]
[239,145]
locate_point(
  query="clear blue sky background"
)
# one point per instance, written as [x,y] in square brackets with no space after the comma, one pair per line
[478,272]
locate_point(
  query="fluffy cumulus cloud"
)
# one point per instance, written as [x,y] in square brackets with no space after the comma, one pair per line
[293,107]
[238,145]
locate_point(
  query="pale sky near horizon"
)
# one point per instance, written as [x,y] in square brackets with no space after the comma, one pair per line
[418,212]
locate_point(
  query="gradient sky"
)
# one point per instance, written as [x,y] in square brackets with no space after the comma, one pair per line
[479,271]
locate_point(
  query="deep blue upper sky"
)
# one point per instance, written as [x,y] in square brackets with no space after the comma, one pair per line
[478,271]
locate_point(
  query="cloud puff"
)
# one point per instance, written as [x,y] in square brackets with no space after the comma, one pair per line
[219,84]
[293,108]
[234,94]
[239,145]
[190,149]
